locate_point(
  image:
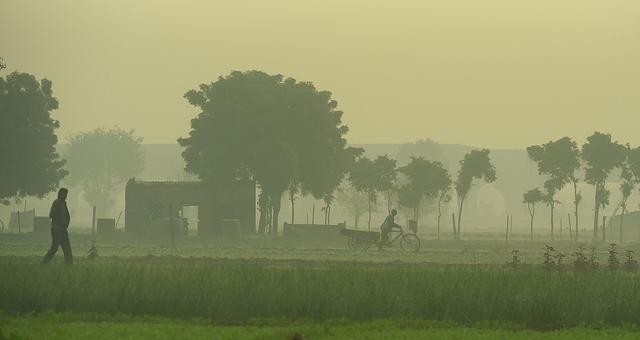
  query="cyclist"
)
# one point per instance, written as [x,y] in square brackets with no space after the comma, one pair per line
[388,225]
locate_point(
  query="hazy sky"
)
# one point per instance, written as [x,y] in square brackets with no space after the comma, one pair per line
[496,73]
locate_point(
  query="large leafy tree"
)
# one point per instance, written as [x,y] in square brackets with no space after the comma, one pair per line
[372,177]
[30,163]
[261,127]
[602,155]
[101,161]
[531,198]
[425,180]
[476,164]
[558,160]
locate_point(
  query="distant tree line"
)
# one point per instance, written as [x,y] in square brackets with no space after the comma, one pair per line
[562,161]
[289,138]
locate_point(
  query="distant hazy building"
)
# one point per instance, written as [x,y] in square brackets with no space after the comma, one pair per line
[630,227]
[151,207]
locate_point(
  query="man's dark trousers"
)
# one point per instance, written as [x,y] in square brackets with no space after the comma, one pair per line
[59,238]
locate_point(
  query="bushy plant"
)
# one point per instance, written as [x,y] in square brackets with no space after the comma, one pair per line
[630,263]
[612,261]
[584,262]
[515,259]
[93,251]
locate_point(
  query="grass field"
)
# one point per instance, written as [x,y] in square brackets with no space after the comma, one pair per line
[81,327]
[439,252]
[448,290]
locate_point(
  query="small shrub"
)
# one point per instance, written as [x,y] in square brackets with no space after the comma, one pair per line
[559,256]
[550,257]
[515,259]
[593,259]
[93,251]
[582,262]
[612,261]
[630,263]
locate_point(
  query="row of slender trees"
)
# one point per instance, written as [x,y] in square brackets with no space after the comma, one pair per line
[563,163]
[420,180]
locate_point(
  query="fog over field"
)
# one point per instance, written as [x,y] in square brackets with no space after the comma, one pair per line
[319,169]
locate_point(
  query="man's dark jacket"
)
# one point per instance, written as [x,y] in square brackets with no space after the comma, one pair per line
[59,215]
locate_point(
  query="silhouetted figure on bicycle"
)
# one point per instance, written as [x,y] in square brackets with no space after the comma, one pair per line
[60,219]
[388,225]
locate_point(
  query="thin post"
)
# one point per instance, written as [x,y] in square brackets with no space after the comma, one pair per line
[570,234]
[173,237]
[506,234]
[93,221]
[511,227]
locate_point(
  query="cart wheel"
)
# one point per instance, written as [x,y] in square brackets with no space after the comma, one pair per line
[352,243]
[410,242]
[364,245]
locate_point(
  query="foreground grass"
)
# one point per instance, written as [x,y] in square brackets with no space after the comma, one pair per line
[433,251]
[69,326]
[241,290]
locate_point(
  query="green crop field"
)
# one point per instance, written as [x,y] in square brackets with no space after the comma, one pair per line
[90,326]
[448,292]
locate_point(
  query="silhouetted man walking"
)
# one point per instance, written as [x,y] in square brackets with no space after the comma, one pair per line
[60,219]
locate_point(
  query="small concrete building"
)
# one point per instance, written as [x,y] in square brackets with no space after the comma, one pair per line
[631,226]
[150,207]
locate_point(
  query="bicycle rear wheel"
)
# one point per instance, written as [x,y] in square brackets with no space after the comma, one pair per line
[410,242]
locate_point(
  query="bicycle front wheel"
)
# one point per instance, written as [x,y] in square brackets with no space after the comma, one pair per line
[410,242]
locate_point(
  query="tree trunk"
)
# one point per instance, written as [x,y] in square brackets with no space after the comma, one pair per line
[576,203]
[416,213]
[275,206]
[459,218]
[570,232]
[531,207]
[439,215]
[552,206]
[604,228]
[327,214]
[532,213]
[453,218]
[262,206]
[624,207]
[369,222]
[506,234]
[596,213]
[292,198]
